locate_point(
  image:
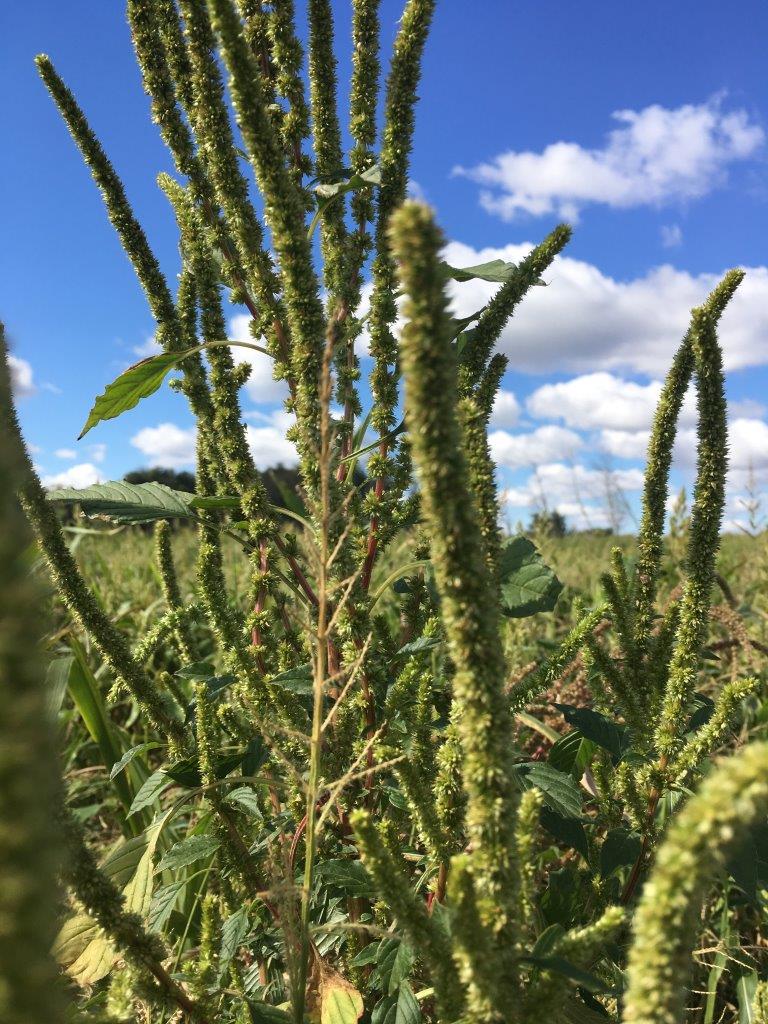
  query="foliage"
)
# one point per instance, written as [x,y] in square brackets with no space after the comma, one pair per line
[309,773]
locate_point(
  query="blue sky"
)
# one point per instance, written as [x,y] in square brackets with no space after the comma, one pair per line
[643,124]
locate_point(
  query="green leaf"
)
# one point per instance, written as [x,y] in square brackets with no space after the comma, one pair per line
[496,271]
[405,958]
[187,771]
[265,1013]
[595,727]
[528,585]
[340,1002]
[163,904]
[746,986]
[566,831]
[246,798]
[348,875]
[571,754]
[400,1008]
[149,792]
[187,851]
[299,680]
[131,755]
[233,933]
[120,502]
[370,176]
[138,381]
[547,940]
[620,849]
[568,970]
[424,643]
[561,792]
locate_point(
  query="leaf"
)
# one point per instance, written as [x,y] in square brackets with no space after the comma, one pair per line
[187,851]
[400,1008]
[561,792]
[163,904]
[130,755]
[745,996]
[547,940]
[56,680]
[595,727]
[340,1002]
[349,875]
[405,958]
[568,970]
[572,754]
[528,585]
[233,933]
[149,792]
[298,680]
[496,271]
[245,797]
[620,849]
[742,866]
[187,771]
[566,831]
[120,502]
[126,391]
[423,643]
[370,176]
[121,862]
[138,892]
[265,1013]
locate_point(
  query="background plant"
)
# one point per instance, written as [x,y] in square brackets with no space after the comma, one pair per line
[312,775]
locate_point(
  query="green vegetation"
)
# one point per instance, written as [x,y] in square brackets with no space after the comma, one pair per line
[345,750]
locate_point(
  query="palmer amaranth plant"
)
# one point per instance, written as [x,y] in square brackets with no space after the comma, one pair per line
[324,810]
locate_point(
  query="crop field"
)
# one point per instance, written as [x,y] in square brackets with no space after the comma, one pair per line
[346,749]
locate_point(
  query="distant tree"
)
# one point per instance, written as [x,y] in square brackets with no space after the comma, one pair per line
[549,522]
[179,481]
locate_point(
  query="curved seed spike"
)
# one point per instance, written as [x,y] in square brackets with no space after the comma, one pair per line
[468,595]
[329,162]
[666,923]
[422,930]
[75,593]
[706,515]
[286,218]
[30,844]
[488,385]
[397,140]
[120,213]
[502,306]
[659,460]
[482,480]
[131,235]
[209,118]
[171,590]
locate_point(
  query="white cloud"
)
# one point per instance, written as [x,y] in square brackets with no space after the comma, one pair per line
[98,452]
[671,235]
[586,320]
[656,156]
[22,379]
[149,347]
[84,474]
[166,445]
[545,444]
[556,484]
[261,386]
[506,410]
[170,445]
[748,444]
[65,453]
[625,444]
[268,441]
[602,399]
[748,408]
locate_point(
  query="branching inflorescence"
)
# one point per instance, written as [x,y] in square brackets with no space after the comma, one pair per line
[349,816]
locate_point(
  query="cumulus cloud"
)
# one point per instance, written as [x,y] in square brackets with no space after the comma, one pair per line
[506,410]
[656,156]
[595,400]
[65,453]
[261,386]
[84,474]
[573,490]
[22,379]
[586,320]
[169,445]
[545,444]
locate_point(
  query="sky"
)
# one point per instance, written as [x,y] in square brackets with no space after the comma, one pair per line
[645,126]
